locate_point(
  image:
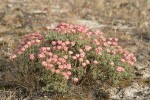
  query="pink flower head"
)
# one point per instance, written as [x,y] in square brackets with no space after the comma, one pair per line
[68,73]
[113,52]
[31,56]
[37,41]
[63,44]
[29,43]
[80,37]
[41,56]
[110,39]
[23,49]
[77,55]
[89,34]
[107,50]
[95,62]
[108,42]
[82,55]
[114,43]
[64,73]
[81,59]
[65,56]
[58,63]
[97,43]
[87,62]
[96,50]
[13,57]
[60,66]
[50,54]
[23,43]
[65,66]
[67,42]
[54,43]
[55,56]
[63,60]
[99,48]
[69,66]
[54,47]
[115,39]
[43,48]
[70,52]
[48,48]
[123,60]
[131,63]
[26,46]
[50,66]
[66,77]
[73,31]
[103,38]
[44,63]
[100,53]
[87,48]
[80,50]
[112,64]
[53,70]
[105,44]
[54,60]
[59,42]
[19,52]
[33,41]
[65,48]
[74,57]
[120,69]
[59,47]
[57,71]
[75,79]
[83,64]
[95,40]
[73,43]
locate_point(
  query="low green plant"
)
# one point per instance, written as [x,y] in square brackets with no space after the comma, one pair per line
[70,53]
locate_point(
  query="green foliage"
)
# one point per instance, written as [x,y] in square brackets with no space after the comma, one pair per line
[59,60]
[53,82]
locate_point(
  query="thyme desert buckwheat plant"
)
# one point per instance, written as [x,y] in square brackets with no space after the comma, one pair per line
[66,55]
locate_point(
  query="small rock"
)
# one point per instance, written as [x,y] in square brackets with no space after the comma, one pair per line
[142,61]
[146,72]
[133,92]
[39,12]
[90,23]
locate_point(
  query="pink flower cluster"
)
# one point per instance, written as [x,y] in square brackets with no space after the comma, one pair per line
[126,56]
[26,42]
[69,28]
[109,45]
[71,52]
[59,65]
[54,63]
[81,57]
[120,69]
[31,56]
[129,58]
[62,45]
[87,48]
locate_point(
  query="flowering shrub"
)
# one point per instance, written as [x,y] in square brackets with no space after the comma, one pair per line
[70,52]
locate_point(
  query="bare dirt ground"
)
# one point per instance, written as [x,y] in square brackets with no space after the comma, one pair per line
[129,20]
